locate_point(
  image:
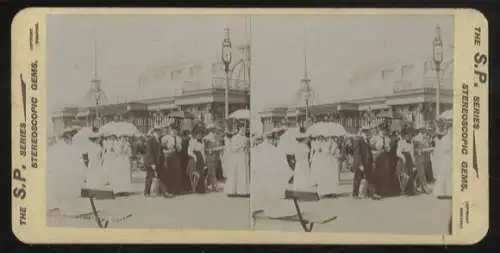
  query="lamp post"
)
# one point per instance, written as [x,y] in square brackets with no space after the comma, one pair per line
[438,59]
[226,59]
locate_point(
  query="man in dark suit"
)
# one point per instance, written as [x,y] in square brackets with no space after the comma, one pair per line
[363,163]
[152,159]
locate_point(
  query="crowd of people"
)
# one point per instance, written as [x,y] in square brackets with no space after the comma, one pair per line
[194,161]
[386,162]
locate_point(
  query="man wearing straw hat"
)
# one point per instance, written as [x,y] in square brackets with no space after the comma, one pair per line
[363,163]
[152,158]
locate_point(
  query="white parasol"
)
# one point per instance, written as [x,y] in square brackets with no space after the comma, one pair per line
[288,140]
[120,129]
[447,115]
[82,137]
[290,134]
[327,129]
[240,114]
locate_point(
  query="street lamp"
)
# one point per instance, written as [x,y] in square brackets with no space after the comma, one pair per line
[438,59]
[226,59]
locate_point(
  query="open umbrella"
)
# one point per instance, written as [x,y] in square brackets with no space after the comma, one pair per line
[390,115]
[240,114]
[447,115]
[326,129]
[290,134]
[126,128]
[82,136]
[119,129]
[72,129]
[181,114]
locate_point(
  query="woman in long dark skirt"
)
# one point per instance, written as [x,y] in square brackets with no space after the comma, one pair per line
[385,180]
[197,162]
[405,153]
[184,159]
[173,174]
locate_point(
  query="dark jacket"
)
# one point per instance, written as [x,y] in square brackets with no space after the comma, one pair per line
[362,154]
[153,152]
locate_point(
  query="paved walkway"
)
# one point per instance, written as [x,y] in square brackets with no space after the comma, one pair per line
[403,215]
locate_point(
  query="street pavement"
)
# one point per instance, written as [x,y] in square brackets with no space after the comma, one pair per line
[422,214]
[194,211]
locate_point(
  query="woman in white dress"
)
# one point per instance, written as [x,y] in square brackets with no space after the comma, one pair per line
[66,173]
[226,155]
[443,163]
[95,180]
[110,158]
[302,178]
[270,176]
[238,178]
[325,167]
[121,181]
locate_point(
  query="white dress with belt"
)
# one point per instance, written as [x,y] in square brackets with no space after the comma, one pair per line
[238,177]
[302,178]
[325,168]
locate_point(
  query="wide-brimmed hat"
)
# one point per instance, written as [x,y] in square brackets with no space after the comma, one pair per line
[268,135]
[302,136]
[95,135]
[67,132]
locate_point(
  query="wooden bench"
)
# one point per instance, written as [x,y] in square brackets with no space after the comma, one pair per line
[92,194]
[306,220]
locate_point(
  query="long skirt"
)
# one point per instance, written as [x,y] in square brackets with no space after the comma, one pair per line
[238,174]
[429,172]
[171,174]
[121,180]
[303,180]
[213,162]
[197,173]
[325,170]
[443,186]
[406,175]
[385,180]
[95,178]
[108,167]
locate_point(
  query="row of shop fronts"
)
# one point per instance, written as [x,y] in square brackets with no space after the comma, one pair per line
[417,105]
[207,105]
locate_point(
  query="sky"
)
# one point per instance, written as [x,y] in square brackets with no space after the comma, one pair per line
[336,46]
[127,46]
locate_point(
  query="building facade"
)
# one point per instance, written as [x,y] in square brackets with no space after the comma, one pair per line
[197,88]
[408,88]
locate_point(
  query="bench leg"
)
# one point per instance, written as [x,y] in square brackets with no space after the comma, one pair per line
[96,215]
[301,219]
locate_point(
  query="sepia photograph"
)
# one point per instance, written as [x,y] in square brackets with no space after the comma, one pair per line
[351,120]
[257,126]
[149,121]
